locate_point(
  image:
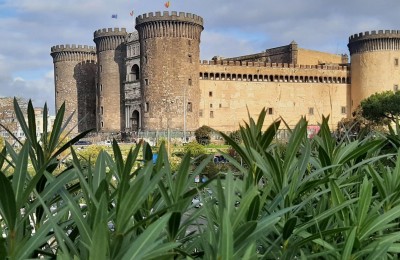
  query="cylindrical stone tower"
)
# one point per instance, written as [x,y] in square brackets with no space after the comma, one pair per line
[111,53]
[170,54]
[74,79]
[375,65]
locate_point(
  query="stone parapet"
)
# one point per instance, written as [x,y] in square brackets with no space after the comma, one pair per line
[271,65]
[167,16]
[184,25]
[109,39]
[73,52]
[374,41]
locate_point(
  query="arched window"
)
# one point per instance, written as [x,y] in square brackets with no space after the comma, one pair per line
[135,72]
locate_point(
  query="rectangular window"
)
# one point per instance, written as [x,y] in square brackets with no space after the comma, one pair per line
[396,88]
[270,111]
[146,107]
[189,106]
[211,114]
[101,87]
[311,111]
[210,94]
[102,124]
[396,62]
[220,105]
[190,58]
[343,110]
[146,82]
[189,82]
[201,113]
[101,110]
[210,105]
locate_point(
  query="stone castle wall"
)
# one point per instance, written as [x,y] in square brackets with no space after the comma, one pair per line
[375,63]
[311,57]
[287,91]
[170,49]
[111,53]
[74,76]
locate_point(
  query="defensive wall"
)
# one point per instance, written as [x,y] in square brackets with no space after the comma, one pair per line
[282,54]
[287,90]
[74,79]
[311,57]
[111,53]
[170,49]
[375,63]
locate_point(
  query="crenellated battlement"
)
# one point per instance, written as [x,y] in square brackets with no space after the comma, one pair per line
[375,34]
[182,25]
[73,52]
[110,32]
[167,16]
[387,40]
[73,48]
[271,65]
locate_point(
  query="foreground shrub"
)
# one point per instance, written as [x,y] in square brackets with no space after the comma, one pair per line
[316,199]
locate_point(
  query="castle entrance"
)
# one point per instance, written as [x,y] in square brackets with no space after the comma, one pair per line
[135,121]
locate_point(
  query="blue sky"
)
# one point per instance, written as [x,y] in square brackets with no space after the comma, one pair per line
[231,28]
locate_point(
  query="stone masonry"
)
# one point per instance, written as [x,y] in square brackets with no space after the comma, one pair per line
[151,79]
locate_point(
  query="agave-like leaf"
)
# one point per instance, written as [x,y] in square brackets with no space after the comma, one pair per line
[348,248]
[147,241]
[20,174]
[8,208]
[226,238]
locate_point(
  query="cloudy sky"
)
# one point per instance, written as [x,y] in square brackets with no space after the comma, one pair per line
[29,28]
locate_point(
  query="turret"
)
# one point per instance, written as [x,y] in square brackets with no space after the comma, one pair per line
[111,52]
[374,63]
[74,80]
[170,53]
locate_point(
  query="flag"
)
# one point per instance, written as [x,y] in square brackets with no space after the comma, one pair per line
[131,13]
[114,16]
[166,4]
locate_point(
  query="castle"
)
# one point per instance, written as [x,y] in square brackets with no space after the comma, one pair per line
[151,79]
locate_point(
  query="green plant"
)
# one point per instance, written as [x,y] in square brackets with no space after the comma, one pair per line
[203,135]
[381,107]
[236,136]
[309,198]
[194,148]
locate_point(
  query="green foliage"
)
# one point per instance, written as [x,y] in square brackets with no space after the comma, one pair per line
[2,142]
[203,135]
[236,136]
[308,199]
[194,148]
[381,107]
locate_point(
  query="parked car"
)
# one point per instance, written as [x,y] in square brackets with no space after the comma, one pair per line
[83,142]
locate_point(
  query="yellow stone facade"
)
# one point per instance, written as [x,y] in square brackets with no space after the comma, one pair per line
[287,91]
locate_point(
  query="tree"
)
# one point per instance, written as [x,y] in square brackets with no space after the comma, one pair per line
[203,135]
[381,108]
